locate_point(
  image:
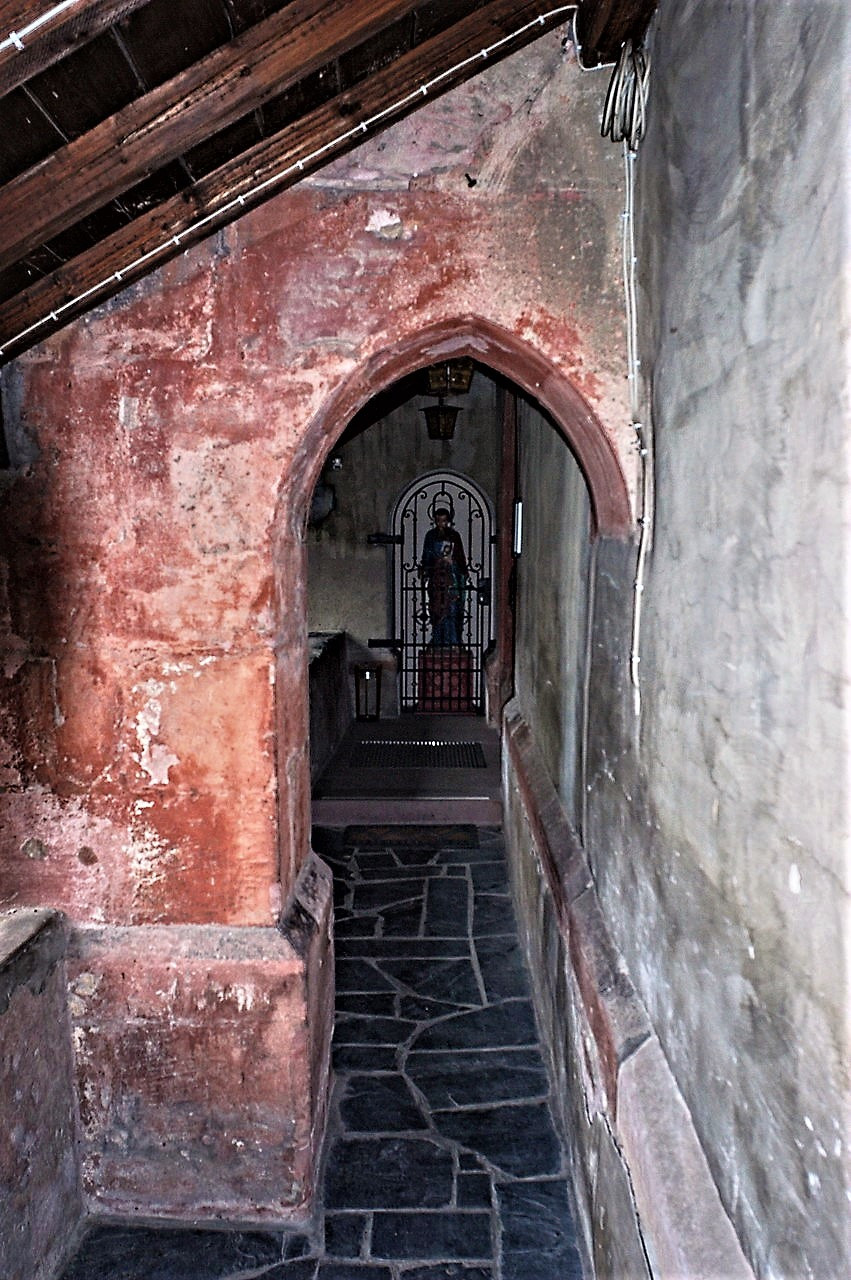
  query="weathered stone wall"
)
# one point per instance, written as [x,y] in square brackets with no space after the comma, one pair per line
[41,1205]
[552,601]
[718,825]
[154,699]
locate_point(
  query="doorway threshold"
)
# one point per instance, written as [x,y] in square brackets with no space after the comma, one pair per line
[456,780]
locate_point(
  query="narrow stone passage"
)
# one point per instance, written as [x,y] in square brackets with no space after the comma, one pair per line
[442,1159]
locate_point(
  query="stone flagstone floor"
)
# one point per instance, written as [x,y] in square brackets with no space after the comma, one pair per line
[442,1159]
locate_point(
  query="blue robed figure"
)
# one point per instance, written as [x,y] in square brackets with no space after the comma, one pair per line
[443,569]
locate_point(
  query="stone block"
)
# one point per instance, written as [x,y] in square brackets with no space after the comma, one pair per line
[201,1061]
[41,1203]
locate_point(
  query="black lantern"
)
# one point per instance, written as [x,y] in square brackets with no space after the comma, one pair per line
[440,419]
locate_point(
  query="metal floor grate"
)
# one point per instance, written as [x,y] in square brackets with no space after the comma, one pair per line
[416,755]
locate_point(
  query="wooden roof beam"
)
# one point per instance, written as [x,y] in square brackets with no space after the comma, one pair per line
[23,55]
[602,26]
[265,60]
[93,272]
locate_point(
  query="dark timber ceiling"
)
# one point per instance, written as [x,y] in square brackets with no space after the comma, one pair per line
[126,122]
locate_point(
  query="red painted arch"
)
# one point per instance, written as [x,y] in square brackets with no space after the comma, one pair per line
[506,354]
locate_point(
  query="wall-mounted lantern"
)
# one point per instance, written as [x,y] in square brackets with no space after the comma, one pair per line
[440,420]
[452,377]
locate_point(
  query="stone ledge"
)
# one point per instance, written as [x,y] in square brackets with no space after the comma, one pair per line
[612,1008]
[675,1206]
[685,1229]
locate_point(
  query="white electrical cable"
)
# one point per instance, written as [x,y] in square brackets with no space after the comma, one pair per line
[297,166]
[624,119]
[643,433]
[17,39]
[625,109]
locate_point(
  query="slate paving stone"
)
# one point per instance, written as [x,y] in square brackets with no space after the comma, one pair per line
[511,1022]
[465,857]
[449,1271]
[444,1236]
[491,835]
[380,1104]
[353,1029]
[417,857]
[344,1234]
[422,948]
[424,1010]
[140,1253]
[388,1173]
[447,909]
[373,1004]
[358,975]
[538,1237]
[327,841]
[363,1057]
[473,1191]
[403,921]
[358,927]
[451,980]
[472,1079]
[304,1269]
[353,1271]
[375,895]
[490,877]
[502,968]
[361,860]
[341,893]
[518,1140]
[426,871]
[493,914]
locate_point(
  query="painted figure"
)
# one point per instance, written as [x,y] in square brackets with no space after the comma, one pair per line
[443,569]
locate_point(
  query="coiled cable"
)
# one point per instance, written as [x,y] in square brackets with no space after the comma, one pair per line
[625,108]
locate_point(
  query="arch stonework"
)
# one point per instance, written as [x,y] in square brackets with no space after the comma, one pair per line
[466,335]
[506,354]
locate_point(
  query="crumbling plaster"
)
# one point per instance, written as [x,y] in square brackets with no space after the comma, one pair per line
[154,712]
[163,517]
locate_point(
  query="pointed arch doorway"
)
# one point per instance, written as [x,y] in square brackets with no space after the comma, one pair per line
[443,615]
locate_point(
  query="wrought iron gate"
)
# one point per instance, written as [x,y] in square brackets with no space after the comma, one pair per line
[444,631]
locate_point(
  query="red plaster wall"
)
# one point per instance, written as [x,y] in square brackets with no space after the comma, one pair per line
[153,705]
[155,559]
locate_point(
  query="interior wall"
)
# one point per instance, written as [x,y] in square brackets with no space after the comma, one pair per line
[719,841]
[348,584]
[552,601]
[153,705]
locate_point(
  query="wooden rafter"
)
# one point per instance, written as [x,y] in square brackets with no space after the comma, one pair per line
[320,128]
[602,26]
[213,93]
[63,31]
